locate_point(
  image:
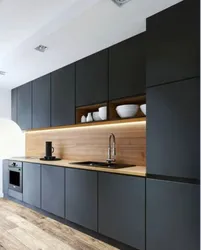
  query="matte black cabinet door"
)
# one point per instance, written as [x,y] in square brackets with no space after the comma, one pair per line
[14,98]
[5,176]
[24,106]
[127,75]
[173,129]
[173,43]
[121,211]
[31,184]
[41,102]
[173,215]
[92,79]
[53,190]
[63,96]
[81,197]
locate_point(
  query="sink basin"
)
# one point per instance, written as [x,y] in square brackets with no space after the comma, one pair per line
[102,164]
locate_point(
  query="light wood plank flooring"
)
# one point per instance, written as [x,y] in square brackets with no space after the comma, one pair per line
[23,229]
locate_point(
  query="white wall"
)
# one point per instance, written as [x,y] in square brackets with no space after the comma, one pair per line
[5,112]
[5,103]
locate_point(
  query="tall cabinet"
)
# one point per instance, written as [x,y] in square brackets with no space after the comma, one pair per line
[173,215]
[173,128]
[173,44]
[173,132]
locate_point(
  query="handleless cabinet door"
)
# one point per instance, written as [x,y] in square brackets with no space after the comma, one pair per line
[31,184]
[63,96]
[121,208]
[127,75]
[173,129]
[92,79]
[24,106]
[14,98]
[41,102]
[173,44]
[5,176]
[172,215]
[81,197]
[53,190]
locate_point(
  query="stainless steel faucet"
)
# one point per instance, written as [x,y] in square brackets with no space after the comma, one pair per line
[112,149]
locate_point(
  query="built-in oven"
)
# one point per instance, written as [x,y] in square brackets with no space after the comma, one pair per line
[15,176]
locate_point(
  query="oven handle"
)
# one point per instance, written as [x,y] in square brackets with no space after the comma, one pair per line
[15,169]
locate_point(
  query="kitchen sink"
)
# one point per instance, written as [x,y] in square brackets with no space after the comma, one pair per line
[102,164]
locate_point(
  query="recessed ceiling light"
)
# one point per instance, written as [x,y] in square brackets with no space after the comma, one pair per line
[120,2]
[41,48]
[2,73]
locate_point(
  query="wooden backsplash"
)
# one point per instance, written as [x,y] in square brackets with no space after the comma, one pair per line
[91,143]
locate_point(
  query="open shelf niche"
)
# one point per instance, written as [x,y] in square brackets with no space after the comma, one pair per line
[139,100]
[80,111]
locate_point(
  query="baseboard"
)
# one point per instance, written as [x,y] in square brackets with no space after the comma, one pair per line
[1,195]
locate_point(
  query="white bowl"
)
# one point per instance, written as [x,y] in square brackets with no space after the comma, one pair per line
[96,116]
[143,108]
[103,113]
[127,111]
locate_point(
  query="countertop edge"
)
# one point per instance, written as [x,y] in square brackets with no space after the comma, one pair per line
[133,171]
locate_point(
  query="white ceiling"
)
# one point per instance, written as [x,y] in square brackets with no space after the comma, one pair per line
[71,29]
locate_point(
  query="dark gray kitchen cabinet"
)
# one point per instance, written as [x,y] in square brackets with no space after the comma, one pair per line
[14,98]
[127,75]
[24,106]
[63,96]
[121,208]
[173,44]
[92,79]
[5,177]
[173,129]
[172,215]
[41,102]
[31,184]
[53,190]
[81,197]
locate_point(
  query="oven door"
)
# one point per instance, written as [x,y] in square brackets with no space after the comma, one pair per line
[15,178]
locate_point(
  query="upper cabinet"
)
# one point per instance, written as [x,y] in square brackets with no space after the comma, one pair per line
[127,75]
[173,129]
[63,96]
[41,102]
[92,79]
[14,93]
[173,44]
[24,106]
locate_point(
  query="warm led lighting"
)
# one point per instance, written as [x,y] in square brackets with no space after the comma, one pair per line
[90,127]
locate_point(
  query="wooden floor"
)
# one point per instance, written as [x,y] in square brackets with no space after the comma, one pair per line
[22,229]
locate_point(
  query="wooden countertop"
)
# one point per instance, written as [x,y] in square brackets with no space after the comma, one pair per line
[135,170]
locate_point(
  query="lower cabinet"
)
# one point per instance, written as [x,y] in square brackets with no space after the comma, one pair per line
[173,215]
[31,184]
[53,190]
[5,177]
[81,197]
[122,208]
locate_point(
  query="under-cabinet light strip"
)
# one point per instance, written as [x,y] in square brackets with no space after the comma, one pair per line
[89,127]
